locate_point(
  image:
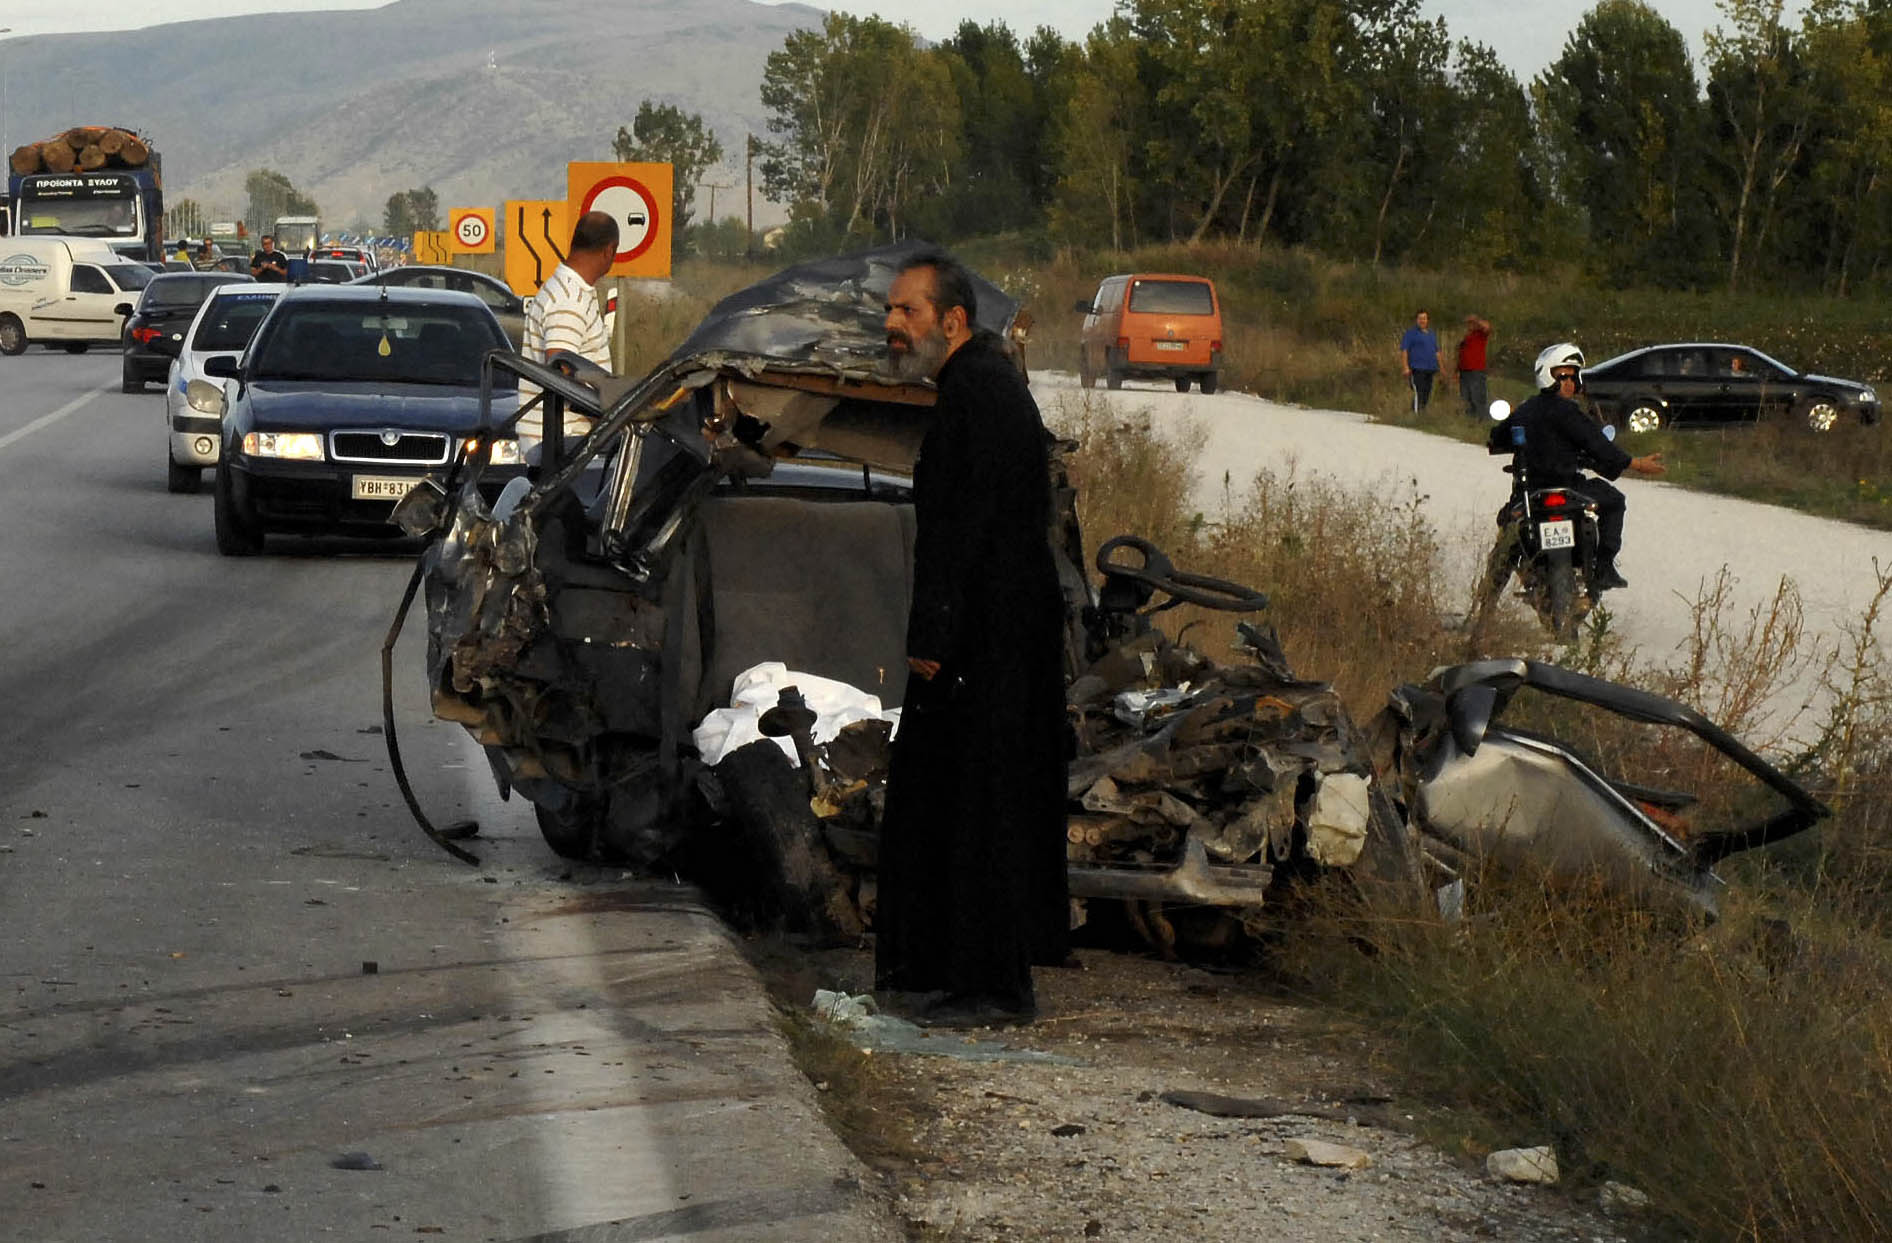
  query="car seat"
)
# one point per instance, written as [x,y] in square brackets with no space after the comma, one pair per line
[822,586]
[440,353]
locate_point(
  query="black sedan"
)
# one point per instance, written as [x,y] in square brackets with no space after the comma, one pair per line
[495,293]
[346,398]
[1661,385]
[155,327]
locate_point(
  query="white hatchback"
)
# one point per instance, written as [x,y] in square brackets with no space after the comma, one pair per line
[193,401]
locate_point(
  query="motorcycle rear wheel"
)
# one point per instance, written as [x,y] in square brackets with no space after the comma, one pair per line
[1560,591]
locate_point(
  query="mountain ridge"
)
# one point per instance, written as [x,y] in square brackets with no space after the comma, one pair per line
[354,105]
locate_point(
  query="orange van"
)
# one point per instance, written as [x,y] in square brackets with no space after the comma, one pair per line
[1152,326]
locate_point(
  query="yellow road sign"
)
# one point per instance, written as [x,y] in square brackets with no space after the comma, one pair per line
[537,232]
[638,197]
[432,246]
[470,230]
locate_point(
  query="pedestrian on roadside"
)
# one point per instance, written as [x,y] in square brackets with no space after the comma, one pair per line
[972,889]
[1419,359]
[268,264]
[1471,365]
[564,316]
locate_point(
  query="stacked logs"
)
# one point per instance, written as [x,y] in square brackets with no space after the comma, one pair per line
[86,148]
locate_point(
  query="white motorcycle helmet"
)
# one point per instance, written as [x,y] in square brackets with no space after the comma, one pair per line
[1562,354]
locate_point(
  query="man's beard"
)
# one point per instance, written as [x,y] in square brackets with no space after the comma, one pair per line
[921,359]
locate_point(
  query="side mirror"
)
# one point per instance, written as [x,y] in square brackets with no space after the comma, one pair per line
[516,307]
[1500,410]
[1084,307]
[123,308]
[223,366]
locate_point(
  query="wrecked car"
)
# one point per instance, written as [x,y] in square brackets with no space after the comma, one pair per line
[750,502]
[683,642]
[1481,761]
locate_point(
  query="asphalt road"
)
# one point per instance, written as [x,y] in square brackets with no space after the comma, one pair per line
[202,851]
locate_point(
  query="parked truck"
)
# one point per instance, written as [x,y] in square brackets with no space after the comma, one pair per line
[99,181]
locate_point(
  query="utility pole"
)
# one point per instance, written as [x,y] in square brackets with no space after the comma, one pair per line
[748,178]
[713,187]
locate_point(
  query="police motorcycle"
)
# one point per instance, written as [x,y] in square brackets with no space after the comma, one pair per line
[1547,537]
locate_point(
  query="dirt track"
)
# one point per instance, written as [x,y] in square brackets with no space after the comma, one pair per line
[1676,539]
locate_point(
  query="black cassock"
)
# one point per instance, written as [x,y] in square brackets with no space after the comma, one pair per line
[971,877]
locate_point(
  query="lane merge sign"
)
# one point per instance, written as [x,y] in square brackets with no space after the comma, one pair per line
[639,198]
[470,231]
[433,246]
[537,232]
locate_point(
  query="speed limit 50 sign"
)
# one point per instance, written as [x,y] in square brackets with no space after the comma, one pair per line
[638,197]
[470,230]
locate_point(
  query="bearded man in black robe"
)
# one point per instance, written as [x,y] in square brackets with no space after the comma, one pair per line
[972,865]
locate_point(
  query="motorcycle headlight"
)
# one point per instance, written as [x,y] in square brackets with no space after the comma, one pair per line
[300,446]
[505,451]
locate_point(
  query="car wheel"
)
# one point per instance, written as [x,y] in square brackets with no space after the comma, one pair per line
[237,536]
[1642,416]
[12,336]
[180,479]
[1086,378]
[77,347]
[572,830]
[1207,382]
[1820,414]
[1182,383]
[1113,379]
[130,383]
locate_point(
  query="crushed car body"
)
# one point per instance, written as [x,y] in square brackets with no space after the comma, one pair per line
[748,504]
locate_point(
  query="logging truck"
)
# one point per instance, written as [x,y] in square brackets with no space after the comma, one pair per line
[97,181]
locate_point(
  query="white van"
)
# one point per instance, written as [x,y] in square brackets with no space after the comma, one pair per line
[64,291]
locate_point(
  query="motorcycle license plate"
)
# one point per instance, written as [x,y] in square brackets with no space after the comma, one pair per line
[1557,534]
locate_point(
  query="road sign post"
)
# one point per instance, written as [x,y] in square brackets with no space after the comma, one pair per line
[638,197]
[470,231]
[537,232]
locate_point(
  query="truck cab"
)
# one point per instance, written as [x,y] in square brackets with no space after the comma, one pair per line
[122,208]
[296,236]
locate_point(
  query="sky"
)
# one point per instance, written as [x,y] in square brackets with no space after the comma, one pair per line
[1526,34]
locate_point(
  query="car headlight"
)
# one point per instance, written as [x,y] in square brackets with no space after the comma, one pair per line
[1868,398]
[204,397]
[301,446]
[505,451]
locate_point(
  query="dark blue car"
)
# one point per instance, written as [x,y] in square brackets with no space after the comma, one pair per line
[346,398]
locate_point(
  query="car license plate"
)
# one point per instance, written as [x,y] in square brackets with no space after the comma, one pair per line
[1557,534]
[381,488]
[1172,345]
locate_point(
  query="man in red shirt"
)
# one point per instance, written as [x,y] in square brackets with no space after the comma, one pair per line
[1471,364]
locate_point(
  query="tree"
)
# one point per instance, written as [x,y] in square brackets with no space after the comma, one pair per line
[271,194]
[1759,96]
[867,128]
[411,211]
[1095,138]
[185,218]
[1622,119]
[665,134]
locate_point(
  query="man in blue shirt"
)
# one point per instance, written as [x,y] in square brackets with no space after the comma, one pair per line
[1419,359]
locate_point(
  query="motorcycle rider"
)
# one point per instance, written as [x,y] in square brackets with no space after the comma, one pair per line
[1560,441]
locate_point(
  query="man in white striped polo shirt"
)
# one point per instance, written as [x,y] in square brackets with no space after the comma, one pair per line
[564,315]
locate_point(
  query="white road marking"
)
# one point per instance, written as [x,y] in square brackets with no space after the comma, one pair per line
[47,420]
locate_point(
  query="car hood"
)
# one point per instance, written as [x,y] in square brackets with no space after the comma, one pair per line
[301,405]
[1834,382]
